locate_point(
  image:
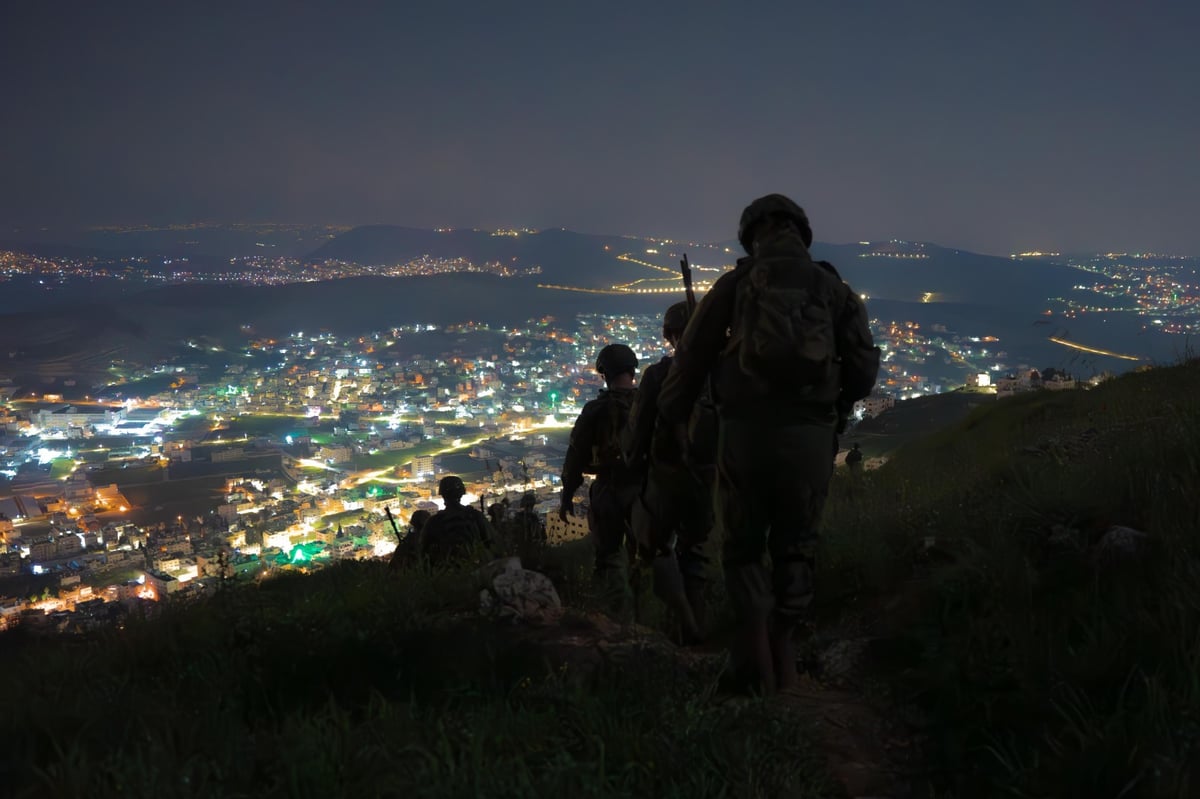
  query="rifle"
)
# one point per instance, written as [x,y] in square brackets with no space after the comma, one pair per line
[395,529]
[686,269]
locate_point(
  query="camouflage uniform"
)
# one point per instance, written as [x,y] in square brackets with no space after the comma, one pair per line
[408,549]
[612,493]
[854,457]
[526,529]
[773,446]
[452,534]
[676,500]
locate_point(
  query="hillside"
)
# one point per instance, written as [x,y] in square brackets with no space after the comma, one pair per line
[947,292]
[1025,582]
[928,273]
[919,273]
[206,240]
[1017,594]
[357,681]
[80,339]
[564,256]
[912,420]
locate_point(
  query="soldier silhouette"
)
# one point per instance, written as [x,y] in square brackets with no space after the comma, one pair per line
[788,348]
[595,448]
[453,534]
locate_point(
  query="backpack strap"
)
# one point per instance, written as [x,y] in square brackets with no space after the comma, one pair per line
[744,265]
[828,267]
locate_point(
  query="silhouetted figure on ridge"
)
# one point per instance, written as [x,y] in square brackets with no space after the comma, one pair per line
[854,458]
[527,530]
[454,533]
[409,548]
[595,448]
[788,348]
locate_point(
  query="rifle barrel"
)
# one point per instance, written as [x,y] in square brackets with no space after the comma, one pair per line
[686,269]
[391,519]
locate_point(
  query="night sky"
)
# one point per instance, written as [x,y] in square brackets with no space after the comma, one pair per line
[987,126]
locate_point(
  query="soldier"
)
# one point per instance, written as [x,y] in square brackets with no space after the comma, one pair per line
[673,514]
[527,529]
[787,344]
[595,448]
[854,458]
[407,550]
[454,532]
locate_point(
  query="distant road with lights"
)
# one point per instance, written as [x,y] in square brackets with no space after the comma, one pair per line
[1094,350]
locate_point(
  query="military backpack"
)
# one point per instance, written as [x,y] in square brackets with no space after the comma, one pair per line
[607,452]
[782,332]
[452,533]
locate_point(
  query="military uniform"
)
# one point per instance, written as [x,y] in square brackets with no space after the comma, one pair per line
[526,530]
[614,489]
[773,464]
[408,548]
[854,457]
[452,534]
[676,500]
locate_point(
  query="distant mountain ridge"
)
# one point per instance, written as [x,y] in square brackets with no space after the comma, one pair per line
[209,240]
[920,282]
[150,325]
[563,256]
[902,271]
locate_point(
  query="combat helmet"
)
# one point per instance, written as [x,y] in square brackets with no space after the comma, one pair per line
[676,319]
[451,486]
[616,359]
[764,208]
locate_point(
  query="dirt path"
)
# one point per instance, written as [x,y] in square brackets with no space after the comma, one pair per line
[869,754]
[868,750]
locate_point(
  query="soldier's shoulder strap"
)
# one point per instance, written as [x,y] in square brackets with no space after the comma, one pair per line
[828,267]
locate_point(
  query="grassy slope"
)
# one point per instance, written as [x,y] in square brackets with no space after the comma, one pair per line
[352,682]
[1044,668]
[1039,668]
[912,420]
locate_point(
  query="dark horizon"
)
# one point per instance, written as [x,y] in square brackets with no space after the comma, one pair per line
[26,234]
[1030,128]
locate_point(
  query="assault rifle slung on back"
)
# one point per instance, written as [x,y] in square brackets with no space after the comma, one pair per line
[686,269]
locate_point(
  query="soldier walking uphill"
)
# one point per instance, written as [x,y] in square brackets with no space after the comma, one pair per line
[453,534]
[595,448]
[787,344]
[673,514]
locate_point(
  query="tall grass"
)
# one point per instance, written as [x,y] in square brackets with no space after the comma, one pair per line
[1050,666]
[356,681]
[1040,663]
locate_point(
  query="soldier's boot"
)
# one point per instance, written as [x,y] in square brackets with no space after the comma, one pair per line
[783,653]
[793,582]
[752,600]
[669,587]
[635,587]
[752,664]
[616,594]
[694,588]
